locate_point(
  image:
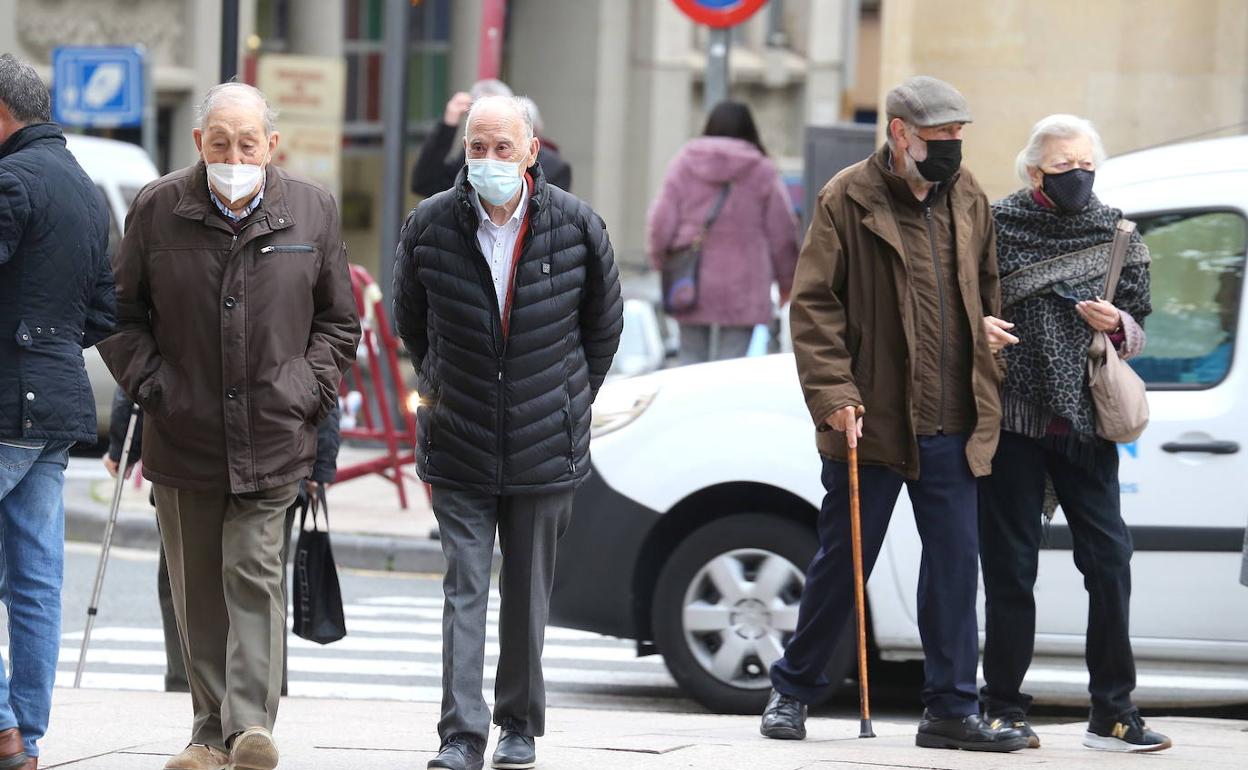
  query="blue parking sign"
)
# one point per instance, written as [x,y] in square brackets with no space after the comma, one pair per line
[97,87]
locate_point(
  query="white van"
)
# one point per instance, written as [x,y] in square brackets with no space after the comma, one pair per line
[693,534]
[119,170]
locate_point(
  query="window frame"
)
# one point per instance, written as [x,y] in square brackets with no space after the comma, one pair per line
[1239,308]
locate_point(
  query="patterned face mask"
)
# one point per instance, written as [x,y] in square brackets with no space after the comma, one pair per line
[1070,190]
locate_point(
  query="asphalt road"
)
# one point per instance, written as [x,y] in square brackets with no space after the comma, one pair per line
[393,648]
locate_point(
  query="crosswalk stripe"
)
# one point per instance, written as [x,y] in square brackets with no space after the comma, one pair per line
[431,646]
[379,667]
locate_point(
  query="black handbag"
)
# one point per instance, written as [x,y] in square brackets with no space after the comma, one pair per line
[318,597]
[681,266]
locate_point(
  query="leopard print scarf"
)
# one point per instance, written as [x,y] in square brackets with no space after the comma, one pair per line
[1041,255]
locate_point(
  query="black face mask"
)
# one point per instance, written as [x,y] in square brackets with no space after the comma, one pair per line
[944,158]
[1070,190]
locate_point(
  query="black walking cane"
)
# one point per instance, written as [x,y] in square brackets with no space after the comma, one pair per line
[107,542]
[855,527]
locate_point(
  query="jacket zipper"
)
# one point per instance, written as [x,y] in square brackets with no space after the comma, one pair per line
[940,292]
[496,325]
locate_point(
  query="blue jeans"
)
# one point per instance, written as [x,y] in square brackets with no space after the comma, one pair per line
[32,565]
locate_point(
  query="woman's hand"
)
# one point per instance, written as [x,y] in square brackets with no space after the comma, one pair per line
[998,333]
[1099,314]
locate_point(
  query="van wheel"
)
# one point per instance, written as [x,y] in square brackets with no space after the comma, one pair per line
[726,605]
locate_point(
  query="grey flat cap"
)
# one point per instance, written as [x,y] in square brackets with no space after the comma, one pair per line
[925,101]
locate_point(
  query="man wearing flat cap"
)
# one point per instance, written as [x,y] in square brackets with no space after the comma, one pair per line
[895,336]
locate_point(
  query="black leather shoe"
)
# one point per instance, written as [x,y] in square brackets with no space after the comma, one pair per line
[784,719]
[458,753]
[971,733]
[1019,722]
[515,750]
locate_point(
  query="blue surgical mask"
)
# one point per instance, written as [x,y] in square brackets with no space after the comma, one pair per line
[494,180]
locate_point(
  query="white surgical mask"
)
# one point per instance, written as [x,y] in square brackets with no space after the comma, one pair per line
[234,180]
[494,180]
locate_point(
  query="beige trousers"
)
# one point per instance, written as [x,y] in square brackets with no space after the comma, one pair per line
[224,554]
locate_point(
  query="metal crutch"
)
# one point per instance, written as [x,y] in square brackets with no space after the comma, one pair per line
[93,608]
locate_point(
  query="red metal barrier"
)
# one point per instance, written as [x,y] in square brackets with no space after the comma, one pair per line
[372,411]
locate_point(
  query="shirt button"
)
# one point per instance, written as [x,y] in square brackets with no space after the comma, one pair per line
[231,393]
[30,396]
[230,302]
[28,425]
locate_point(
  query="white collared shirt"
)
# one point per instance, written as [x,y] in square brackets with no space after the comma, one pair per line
[498,244]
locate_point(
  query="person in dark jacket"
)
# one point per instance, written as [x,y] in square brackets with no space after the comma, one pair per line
[237,319]
[894,334]
[437,167]
[56,297]
[507,297]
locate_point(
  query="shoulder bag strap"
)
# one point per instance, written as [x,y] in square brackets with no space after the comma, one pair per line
[714,213]
[1117,256]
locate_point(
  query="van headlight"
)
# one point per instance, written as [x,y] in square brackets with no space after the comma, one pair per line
[620,402]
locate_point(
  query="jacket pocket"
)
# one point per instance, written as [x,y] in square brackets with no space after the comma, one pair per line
[569,427]
[164,396]
[287,248]
[309,387]
[424,432]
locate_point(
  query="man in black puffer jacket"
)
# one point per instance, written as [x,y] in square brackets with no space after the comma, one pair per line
[56,297]
[507,297]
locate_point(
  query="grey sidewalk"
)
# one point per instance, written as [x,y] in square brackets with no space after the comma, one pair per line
[370,530]
[109,730]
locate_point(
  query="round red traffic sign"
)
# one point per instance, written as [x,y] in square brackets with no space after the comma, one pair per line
[719,13]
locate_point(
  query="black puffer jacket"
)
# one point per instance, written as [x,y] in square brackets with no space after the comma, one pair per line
[56,287]
[507,413]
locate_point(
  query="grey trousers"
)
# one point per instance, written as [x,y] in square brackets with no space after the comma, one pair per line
[528,526]
[700,343]
[224,554]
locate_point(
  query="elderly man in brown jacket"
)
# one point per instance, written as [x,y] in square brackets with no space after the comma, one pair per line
[895,335]
[237,320]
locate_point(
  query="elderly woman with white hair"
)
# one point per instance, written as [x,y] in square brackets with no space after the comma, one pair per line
[1053,246]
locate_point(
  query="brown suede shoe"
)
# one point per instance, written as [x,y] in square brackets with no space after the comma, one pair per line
[199,757]
[253,749]
[12,751]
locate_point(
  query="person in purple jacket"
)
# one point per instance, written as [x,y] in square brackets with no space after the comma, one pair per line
[751,244]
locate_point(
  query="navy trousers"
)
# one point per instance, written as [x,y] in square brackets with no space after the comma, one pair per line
[946,511]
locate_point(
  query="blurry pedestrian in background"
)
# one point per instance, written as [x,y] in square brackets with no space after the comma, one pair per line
[175,668]
[507,297]
[1053,246]
[236,320]
[56,297]
[440,159]
[751,244]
